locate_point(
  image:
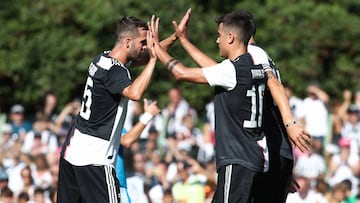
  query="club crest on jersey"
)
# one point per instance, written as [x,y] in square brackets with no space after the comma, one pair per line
[92,69]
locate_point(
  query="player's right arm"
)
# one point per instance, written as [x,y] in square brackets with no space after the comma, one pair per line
[196,54]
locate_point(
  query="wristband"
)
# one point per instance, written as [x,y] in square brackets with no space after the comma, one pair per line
[173,65]
[293,122]
[145,118]
[168,62]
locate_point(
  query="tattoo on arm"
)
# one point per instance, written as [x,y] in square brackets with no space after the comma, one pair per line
[270,75]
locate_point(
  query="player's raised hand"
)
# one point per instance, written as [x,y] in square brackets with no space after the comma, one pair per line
[150,45]
[180,29]
[299,137]
[152,107]
[154,29]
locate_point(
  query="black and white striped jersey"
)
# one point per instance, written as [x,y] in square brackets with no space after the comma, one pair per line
[95,135]
[239,87]
[277,137]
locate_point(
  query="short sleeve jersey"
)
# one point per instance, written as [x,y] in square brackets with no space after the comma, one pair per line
[277,137]
[239,87]
[95,136]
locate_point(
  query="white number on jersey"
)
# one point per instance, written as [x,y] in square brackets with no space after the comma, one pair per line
[87,100]
[255,122]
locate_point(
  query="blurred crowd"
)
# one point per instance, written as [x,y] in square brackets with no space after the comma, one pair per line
[174,159]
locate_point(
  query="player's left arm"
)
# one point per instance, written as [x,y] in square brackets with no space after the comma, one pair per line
[296,133]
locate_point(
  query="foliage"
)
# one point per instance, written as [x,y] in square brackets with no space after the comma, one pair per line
[47,44]
[311,41]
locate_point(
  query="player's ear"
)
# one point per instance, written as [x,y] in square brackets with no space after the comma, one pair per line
[127,42]
[230,38]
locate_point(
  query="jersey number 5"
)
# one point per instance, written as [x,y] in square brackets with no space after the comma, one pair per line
[86,103]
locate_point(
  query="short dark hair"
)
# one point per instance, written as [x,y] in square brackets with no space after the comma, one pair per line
[128,26]
[252,21]
[6,192]
[240,22]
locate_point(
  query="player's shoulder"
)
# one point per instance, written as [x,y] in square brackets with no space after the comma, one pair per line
[106,62]
[256,50]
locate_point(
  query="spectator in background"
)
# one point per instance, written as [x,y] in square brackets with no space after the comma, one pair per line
[6,195]
[168,196]
[350,194]
[40,140]
[6,141]
[156,182]
[4,179]
[343,166]
[65,119]
[206,144]
[136,181]
[210,114]
[3,118]
[152,146]
[305,193]
[338,117]
[189,188]
[48,106]
[337,194]
[17,120]
[27,182]
[351,129]
[188,136]
[294,102]
[54,171]
[174,111]
[40,196]
[41,172]
[315,117]
[312,164]
[17,161]
[357,99]
[23,197]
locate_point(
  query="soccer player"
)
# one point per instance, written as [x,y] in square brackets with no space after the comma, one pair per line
[279,126]
[277,135]
[87,162]
[241,150]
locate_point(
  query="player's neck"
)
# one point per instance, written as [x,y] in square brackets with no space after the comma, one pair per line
[119,54]
[240,50]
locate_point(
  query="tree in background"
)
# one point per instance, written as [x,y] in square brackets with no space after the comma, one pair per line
[46,44]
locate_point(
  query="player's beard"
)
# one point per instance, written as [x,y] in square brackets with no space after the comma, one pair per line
[138,56]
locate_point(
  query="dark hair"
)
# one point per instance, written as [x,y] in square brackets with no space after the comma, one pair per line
[6,192]
[240,22]
[39,190]
[252,21]
[27,167]
[24,196]
[128,26]
[347,183]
